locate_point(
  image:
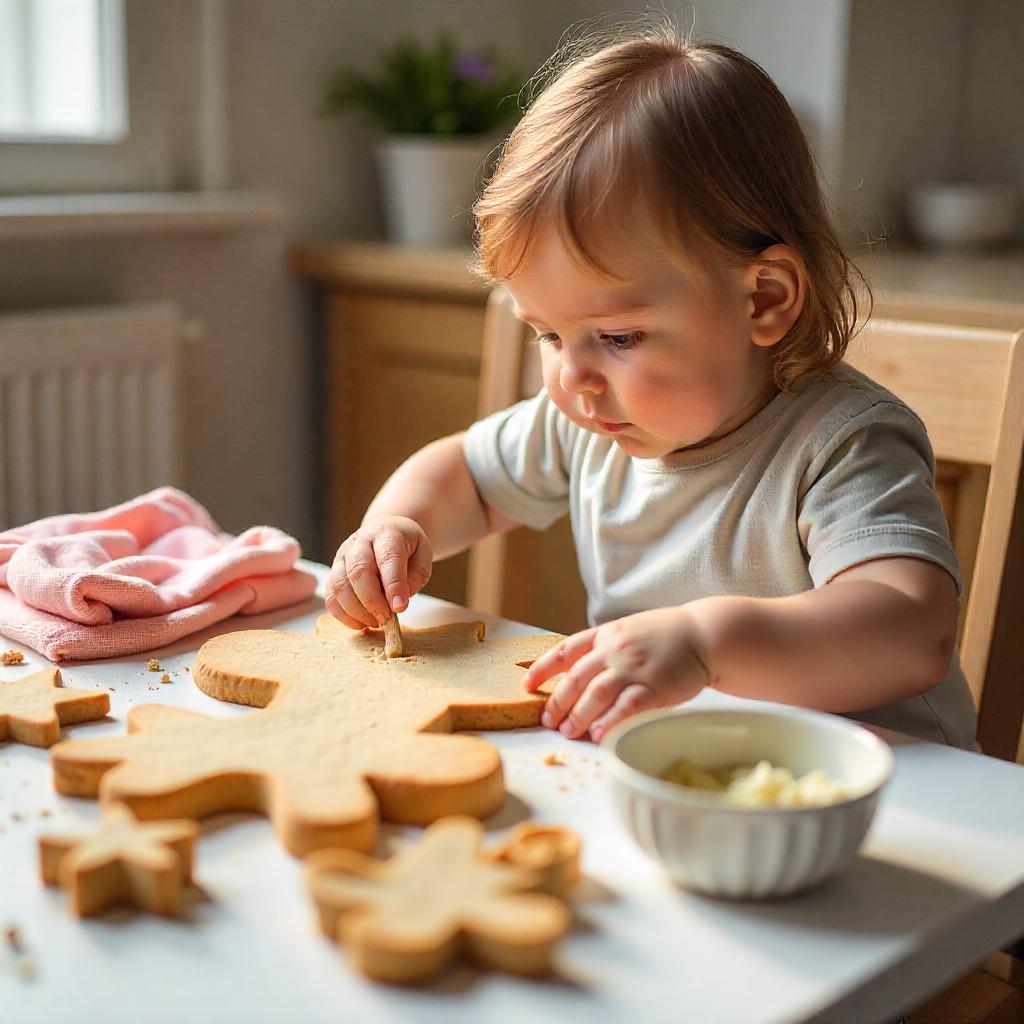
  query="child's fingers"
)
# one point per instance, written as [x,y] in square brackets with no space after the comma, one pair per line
[421,565]
[569,687]
[596,700]
[345,597]
[560,658]
[389,552]
[364,578]
[633,699]
[341,615]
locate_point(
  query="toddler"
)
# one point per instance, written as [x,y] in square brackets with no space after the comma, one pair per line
[750,513]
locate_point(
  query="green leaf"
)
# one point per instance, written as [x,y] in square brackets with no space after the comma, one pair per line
[420,89]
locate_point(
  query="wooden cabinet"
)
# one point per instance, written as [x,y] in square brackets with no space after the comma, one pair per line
[401,372]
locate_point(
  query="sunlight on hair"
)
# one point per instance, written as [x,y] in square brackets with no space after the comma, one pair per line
[633,130]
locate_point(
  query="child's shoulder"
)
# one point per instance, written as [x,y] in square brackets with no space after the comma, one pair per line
[833,408]
[845,393]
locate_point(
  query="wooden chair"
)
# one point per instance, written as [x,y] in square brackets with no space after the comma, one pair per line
[967,385]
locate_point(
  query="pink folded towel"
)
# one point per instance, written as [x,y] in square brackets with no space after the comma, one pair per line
[137,576]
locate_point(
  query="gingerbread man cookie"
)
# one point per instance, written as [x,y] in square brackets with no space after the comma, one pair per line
[34,707]
[407,918]
[126,861]
[347,735]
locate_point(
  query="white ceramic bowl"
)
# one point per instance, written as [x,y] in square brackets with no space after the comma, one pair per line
[719,848]
[962,215]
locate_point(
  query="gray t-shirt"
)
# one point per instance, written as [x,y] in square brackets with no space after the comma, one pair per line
[835,473]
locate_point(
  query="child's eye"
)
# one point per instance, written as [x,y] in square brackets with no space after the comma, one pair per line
[545,339]
[620,342]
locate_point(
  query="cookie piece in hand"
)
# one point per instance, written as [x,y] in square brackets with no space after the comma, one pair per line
[407,918]
[34,707]
[126,861]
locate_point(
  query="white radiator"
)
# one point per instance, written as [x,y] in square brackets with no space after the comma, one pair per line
[90,407]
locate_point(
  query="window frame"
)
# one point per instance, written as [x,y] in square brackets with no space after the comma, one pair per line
[138,159]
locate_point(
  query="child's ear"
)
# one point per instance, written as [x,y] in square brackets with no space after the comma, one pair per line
[776,289]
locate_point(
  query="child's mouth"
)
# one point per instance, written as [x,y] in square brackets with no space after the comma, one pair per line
[609,428]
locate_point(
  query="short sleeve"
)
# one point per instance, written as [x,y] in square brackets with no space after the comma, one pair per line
[870,494]
[518,461]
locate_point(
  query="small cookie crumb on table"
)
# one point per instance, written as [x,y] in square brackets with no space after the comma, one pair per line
[154,666]
[12,658]
[554,758]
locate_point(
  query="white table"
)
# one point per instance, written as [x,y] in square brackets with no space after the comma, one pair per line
[940,883]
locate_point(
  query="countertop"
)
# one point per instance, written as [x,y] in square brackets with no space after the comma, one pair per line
[996,275]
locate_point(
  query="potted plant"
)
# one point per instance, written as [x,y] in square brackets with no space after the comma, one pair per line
[440,109]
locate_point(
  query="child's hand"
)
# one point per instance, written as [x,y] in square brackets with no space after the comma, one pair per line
[377,570]
[642,661]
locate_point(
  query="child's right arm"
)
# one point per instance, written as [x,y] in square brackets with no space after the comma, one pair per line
[428,509]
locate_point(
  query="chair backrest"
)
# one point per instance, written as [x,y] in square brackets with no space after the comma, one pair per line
[967,385]
[499,579]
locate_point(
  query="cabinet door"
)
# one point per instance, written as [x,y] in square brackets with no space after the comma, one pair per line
[402,372]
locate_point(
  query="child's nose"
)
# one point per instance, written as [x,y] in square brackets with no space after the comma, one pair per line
[576,376]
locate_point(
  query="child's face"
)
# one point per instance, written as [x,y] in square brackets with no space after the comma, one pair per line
[658,364]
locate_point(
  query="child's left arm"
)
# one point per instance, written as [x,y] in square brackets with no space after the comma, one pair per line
[878,632]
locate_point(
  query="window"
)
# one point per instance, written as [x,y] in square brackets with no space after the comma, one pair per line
[94,95]
[62,73]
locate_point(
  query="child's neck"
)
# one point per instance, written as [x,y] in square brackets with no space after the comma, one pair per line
[745,413]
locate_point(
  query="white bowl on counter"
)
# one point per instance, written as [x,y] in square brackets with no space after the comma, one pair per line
[718,848]
[954,215]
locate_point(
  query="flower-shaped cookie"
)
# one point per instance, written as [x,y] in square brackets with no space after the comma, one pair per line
[407,918]
[348,735]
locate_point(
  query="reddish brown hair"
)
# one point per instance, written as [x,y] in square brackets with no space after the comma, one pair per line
[697,140]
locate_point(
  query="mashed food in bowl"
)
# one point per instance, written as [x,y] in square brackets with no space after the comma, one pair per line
[759,785]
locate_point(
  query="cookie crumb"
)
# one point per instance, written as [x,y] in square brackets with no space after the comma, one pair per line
[12,939]
[27,969]
[111,689]
[165,678]
[17,816]
[554,758]
[153,688]
[12,658]
[154,666]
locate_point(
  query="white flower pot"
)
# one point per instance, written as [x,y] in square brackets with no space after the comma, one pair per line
[429,183]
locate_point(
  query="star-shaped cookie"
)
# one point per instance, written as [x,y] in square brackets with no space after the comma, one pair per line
[126,861]
[348,735]
[34,707]
[407,918]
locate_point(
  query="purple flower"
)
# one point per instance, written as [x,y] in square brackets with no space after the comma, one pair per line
[474,67]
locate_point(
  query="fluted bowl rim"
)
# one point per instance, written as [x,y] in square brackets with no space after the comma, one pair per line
[698,800]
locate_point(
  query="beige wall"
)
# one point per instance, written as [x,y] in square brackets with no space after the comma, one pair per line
[281,57]
[904,106]
[992,141]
